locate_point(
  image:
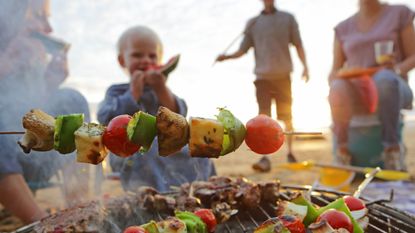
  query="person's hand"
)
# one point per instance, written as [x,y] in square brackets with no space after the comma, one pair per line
[155,79]
[305,76]
[221,57]
[137,84]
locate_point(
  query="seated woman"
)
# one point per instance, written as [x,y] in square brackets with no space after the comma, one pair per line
[354,47]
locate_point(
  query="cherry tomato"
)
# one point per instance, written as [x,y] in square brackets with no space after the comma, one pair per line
[292,223]
[115,137]
[264,135]
[207,217]
[336,219]
[354,203]
[135,229]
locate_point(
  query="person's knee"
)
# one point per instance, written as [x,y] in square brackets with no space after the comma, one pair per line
[339,89]
[386,80]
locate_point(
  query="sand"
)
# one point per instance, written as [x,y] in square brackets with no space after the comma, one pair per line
[238,164]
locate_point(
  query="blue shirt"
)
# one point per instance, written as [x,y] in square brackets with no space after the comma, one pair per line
[149,168]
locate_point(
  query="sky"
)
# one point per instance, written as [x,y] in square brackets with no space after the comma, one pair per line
[199,31]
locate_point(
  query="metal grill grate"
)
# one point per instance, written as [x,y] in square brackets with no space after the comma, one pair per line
[382,217]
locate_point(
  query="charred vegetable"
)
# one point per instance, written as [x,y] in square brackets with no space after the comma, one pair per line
[40,128]
[193,223]
[65,127]
[142,130]
[172,131]
[206,137]
[234,131]
[89,145]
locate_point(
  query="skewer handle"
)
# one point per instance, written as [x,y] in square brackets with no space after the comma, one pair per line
[12,132]
[303,133]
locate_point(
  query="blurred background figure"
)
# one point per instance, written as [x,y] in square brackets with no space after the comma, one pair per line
[356,39]
[139,49]
[271,34]
[33,67]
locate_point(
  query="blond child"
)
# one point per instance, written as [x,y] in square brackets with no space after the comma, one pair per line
[139,49]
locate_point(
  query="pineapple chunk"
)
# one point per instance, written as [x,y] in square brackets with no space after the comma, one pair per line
[89,146]
[206,137]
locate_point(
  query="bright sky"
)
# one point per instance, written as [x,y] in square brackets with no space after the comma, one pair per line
[199,31]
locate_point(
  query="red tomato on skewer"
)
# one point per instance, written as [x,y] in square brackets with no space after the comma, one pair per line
[208,218]
[354,203]
[264,135]
[336,219]
[115,137]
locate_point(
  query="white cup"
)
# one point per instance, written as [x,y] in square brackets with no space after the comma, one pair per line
[384,52]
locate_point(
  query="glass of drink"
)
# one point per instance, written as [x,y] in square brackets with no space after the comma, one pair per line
[384,52]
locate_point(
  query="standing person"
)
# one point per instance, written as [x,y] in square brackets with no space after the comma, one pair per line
[270,34]
[354,43]
[140,48]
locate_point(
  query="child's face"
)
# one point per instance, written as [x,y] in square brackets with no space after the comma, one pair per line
[140,54]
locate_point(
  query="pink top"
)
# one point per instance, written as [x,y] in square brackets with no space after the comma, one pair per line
[358,46]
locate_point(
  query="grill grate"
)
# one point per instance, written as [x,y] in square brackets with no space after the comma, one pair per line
[382,217]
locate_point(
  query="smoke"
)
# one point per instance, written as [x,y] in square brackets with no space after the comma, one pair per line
[27,81]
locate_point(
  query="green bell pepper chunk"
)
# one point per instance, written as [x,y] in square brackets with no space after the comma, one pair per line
[151,227]
[234,129]
[141,130]
[193,223]
[312,213]
[340,205]
[65,127]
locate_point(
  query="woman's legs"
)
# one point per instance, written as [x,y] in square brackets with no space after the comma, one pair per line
[394,94]
[341,104]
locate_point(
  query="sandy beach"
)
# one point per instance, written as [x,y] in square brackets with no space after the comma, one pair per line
[239,164]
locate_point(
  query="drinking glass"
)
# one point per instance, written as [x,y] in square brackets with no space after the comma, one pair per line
[384,52]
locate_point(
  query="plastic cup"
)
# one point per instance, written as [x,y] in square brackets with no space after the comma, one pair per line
[384,52]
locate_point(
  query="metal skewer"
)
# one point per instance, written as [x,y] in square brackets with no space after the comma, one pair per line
[12,132]
[286,133]
[303,133]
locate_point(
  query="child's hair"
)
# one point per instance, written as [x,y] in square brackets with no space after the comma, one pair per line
[141,32]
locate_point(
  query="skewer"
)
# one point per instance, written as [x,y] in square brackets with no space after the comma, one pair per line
[303,133]
[12,132]
[286,133]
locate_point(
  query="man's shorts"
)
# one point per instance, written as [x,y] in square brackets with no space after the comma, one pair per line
[277,88]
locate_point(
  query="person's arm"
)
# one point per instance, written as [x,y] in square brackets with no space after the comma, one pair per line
[246,44]
[234,55]
[301,55]
[408,45]
[295,39]
[165,97]
[17,198]
[338,59]
[117,102]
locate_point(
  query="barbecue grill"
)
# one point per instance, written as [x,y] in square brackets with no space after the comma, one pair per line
[382,217]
